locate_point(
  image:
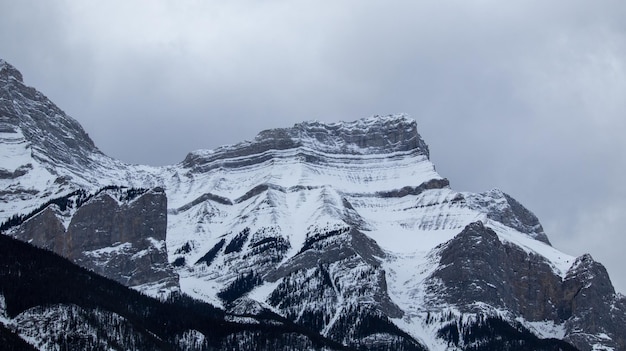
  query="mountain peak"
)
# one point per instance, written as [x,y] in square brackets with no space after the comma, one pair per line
[7,71]
[374,121]
[371,135]
[30,119]
[375,135]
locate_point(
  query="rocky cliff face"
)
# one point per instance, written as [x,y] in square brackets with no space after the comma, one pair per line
[344,228]
[471,268]
[118,233]
[595,314]
[50,132]
[476,266]
[367,136]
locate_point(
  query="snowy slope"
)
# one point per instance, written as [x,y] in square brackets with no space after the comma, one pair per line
[330,225]
[394,197]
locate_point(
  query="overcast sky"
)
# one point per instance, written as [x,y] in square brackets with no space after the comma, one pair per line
[525,96]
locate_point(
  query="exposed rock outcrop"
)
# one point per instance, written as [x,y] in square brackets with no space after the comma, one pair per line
[476,266]
[120,239]
[592,306]
[376,135]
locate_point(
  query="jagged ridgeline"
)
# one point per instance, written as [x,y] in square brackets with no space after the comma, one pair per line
[344,231]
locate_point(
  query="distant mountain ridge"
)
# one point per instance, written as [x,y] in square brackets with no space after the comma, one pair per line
[345,229]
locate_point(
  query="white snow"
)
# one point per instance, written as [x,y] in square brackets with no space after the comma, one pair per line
[15,151]
[544,329]
[201,289]
[107,251]
[559,261]
[341,189]
[600,347]
[261,293]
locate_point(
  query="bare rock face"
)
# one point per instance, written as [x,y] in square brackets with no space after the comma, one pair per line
[44,230]
[376,135]
[477,266]
[117,236]
[595,309]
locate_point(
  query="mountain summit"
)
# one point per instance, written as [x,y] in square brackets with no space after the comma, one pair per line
[344,229]
[51,134]
[7,71]
[374,135]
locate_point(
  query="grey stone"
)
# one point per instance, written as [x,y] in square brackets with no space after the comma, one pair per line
[124,242]
[476,266]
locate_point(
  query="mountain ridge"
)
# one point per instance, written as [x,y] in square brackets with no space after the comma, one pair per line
[345,228]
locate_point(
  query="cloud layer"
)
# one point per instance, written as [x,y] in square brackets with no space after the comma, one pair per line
[525,96]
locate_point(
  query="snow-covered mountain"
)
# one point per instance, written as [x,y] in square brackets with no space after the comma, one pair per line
[345,229]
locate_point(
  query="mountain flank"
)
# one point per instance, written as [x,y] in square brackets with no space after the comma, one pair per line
[317,236]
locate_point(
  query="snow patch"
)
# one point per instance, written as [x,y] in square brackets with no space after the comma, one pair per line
[559,261]
[117,248]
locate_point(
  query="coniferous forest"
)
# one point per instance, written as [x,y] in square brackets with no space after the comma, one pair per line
[33,280]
